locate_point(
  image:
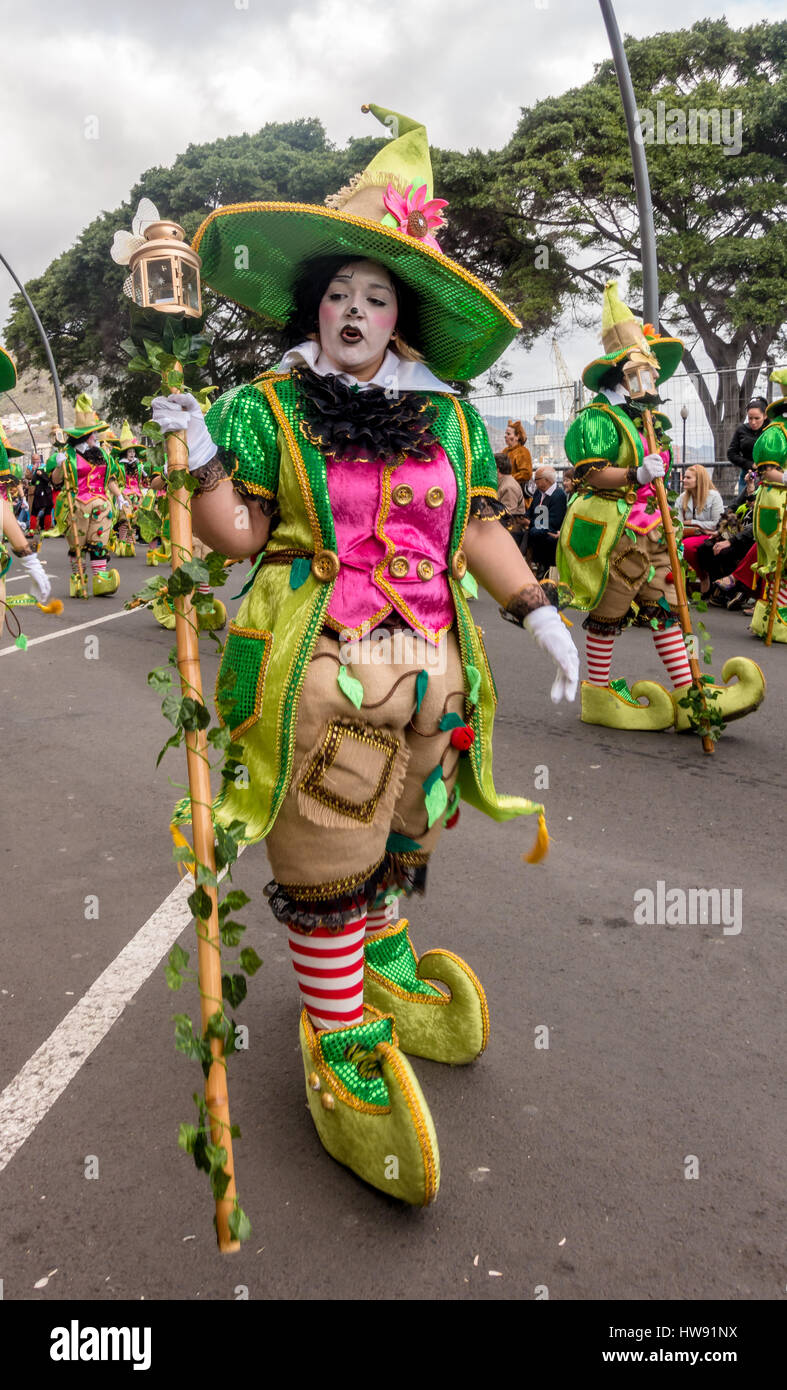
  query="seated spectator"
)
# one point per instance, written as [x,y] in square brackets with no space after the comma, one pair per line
[700,508]
[519,457]
[510,494]
[547,511]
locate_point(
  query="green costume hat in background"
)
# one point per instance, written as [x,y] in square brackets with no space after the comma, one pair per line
[620,332]
[85,419]
[128,440]
[778,407]
[252,252]
[7,371]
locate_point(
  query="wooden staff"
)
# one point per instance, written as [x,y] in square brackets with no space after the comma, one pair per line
[209,945]
[777,578]
[677,571]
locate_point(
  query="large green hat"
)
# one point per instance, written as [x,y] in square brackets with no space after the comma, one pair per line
[251,252]
[7,371]
[621,332]
[778,407]
[127,440]
[85,419]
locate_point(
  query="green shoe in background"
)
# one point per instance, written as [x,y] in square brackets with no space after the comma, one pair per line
[368,1108]
[732,701]
[105,582]
[614,706]
[442,1027]
[215,620]
[759,622]
[77,588]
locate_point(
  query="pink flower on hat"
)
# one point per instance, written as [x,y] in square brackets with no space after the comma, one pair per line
[414,214]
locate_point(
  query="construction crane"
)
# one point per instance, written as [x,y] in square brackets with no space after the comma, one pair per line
[569,403]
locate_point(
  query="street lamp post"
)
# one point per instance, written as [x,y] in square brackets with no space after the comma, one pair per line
[684,415]
[47,349]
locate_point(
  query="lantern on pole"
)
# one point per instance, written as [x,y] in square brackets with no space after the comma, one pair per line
[164,269]
[640,371]
[165,278]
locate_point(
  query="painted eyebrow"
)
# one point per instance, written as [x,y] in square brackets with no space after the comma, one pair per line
[373,285]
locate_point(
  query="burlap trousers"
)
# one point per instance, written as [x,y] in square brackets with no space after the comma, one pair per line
[358,773]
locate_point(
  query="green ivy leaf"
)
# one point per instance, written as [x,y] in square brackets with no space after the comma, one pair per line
[349,686]
[231,932]
[239,1224]
[173,977]
[220,738]
[178,958]
[174,742]
[474,684]
[300,569]
[199,904]
[233,901]
[187,1138]
[249,960]
[160,679]
[170,708]
[436,801]
[451,721]
[234,989]
[206,876]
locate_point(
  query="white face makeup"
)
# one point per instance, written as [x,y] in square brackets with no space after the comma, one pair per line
[357,317]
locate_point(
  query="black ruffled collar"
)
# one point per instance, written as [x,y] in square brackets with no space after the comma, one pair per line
[366,426]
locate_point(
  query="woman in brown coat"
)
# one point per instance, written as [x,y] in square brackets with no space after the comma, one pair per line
[519,456]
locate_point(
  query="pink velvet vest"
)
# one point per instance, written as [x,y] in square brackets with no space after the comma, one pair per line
[393,527]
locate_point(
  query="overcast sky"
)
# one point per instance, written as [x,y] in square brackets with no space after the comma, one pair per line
[151,76]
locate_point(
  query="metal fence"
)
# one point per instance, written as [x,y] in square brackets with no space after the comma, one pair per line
[547,412]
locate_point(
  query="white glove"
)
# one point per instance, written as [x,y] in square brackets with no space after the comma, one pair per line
[61,457]
[552,636]
[38,575]
[653,467]
[182,412]
[121,501]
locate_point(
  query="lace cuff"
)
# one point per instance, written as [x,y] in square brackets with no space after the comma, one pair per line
[487,509]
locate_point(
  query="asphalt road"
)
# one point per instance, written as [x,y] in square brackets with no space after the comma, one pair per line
[563,1166]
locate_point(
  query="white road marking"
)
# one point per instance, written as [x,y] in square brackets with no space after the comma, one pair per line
[23,578]
[78,627]
[43,1079]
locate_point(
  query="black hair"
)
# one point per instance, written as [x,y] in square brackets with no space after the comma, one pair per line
[612,377]
[312,280]
[759,402]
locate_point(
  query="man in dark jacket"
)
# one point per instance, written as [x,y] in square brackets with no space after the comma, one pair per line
[746,436]
[547,511]
[41,483]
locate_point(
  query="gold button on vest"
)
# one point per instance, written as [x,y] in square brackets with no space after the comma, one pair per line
[435,497]
[424,569]
[402,495]
[399,567]
[459,564]
[325,566]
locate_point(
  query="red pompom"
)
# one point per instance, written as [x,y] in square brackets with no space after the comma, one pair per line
[668,577]
[463,737]
[452,819]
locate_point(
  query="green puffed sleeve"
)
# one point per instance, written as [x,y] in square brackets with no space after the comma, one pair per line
[592,438]
[483,476]
[243,426]
[771,447]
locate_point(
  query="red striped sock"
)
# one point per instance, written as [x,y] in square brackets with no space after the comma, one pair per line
[380,918]
[672,650]
[599,653]
[782,599]
[329,969]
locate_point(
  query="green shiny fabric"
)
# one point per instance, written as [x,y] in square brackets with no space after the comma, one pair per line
[368,1088]
[393,957]
[290,620]
[769,508]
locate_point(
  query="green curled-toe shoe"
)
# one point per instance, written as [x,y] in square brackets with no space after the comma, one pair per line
[368,1108]
[443,1027]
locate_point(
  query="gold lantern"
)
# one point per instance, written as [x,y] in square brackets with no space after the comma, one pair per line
[640,373]
[165,271]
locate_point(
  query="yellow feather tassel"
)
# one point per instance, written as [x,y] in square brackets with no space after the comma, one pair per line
[541,846]
[55,605]
[178,839]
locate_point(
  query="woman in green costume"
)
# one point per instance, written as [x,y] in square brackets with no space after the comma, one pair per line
[770,461]
[354,676]
[612,551]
